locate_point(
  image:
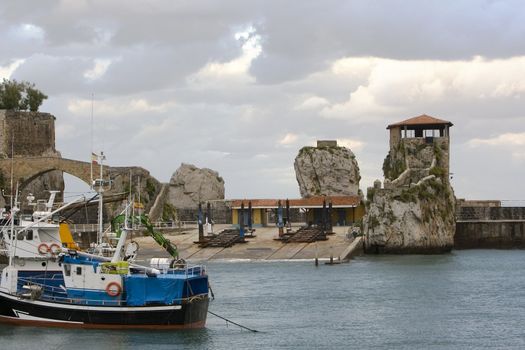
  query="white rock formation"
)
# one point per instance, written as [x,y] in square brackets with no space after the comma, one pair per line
[190,185]
[419,219]
[328,171]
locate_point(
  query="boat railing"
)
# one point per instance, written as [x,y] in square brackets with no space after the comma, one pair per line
[32,281]
[101,302]
[186,271]
[195,270]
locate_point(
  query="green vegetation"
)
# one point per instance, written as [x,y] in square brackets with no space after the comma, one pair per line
[370,194]
[392,171]
[394,163]
[306,150]
[150,188]
[437,171]
[438,152]
[169,212]
[408,195]
[20,96]
[428,191]
[421,147]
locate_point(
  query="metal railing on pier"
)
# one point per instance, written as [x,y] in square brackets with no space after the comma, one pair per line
[159,225]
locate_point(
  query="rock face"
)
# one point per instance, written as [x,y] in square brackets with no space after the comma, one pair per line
[190,185]
[327,170]
[415,211]
[40,187]
[141,181]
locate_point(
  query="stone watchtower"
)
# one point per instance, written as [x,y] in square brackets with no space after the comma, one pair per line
[418,143]
[415,211]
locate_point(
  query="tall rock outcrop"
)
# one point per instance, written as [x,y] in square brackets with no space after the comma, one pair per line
[415,210]
[327,170]
[190,185]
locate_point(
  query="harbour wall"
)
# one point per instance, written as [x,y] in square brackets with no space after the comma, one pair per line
[490,227]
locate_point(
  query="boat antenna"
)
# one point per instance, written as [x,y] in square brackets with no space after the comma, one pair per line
[12,167]
[100,191]
[91,139]
[13,235]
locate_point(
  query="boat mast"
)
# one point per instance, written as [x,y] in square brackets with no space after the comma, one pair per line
[100,191]
[123,236]
[13,235]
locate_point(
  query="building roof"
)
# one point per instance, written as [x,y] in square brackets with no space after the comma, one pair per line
[312,202]
[421,120]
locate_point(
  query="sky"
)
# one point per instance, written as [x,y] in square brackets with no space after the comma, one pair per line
[240,86]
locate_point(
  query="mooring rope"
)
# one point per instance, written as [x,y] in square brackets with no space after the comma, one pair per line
[239,325]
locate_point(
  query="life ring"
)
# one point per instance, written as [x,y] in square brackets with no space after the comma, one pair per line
[43,248]
[54,249]
[113,289]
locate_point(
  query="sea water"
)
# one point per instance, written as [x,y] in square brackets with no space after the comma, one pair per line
[471,299]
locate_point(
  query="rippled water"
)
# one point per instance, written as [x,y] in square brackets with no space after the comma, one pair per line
[464,300]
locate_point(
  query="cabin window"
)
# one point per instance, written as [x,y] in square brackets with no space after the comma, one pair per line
[20,236]
[67,270]
[79,270]
[431,133]
[29,235]
[408,134]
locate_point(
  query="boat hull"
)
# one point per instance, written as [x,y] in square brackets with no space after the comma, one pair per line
[191,314]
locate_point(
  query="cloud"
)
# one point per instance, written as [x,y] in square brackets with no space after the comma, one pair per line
[354,145]
[391,86]
[513,142]
[100,66]
[236,70]
[508,139]
[288,139]
[27,31]
[116,107]
[244,85]
[313,102]
[7,71]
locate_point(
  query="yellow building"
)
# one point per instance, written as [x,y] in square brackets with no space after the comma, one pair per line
[345,209]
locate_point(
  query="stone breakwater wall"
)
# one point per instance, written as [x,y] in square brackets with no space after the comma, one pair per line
[490,227]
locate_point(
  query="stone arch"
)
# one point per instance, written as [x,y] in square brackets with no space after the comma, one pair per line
[28,168]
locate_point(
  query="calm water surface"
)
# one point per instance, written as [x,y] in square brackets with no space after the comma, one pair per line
[465,300]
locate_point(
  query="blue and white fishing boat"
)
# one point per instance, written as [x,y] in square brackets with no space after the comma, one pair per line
[49,283]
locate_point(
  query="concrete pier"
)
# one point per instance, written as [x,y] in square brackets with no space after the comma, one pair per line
[262,247]
[490,227]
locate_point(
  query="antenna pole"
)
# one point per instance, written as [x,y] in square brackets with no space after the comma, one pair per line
[91,139]
[13,234]
[100,200]
[12,167]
